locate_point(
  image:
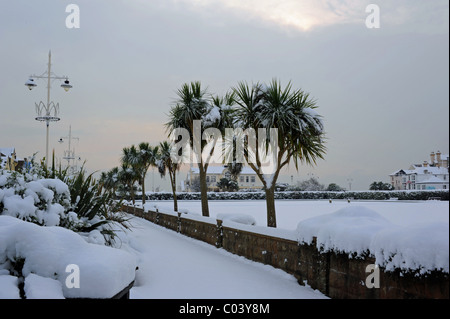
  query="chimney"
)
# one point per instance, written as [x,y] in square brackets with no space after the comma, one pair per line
[432,157]
[438,156]
[425,164]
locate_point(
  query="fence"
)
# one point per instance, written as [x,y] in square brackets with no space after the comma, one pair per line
[334,274]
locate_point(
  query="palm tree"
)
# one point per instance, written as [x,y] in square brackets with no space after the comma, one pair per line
[127,177]
[130,172]
[148,156]
[299,137]
[109,180]
[165,163]
[192,105]
[140,159]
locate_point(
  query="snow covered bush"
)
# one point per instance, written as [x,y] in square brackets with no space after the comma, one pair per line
[77,204]
[42,201]
[360,232]
[34,263]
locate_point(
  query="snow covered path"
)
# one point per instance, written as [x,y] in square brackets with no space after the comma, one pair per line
[173,266]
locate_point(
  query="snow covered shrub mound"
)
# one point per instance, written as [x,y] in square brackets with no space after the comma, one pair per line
[39,256]
[421,248]
[238,218]
[42,201]
[77,204]
[357,230]
[348,230]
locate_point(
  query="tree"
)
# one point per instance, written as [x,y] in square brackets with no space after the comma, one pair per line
[196,112]
[228,185]
[148,156]
[110,179]
[140,159]
[380,186]
[299,138]
[130,171]
[165,163]
[311,185]
[191,106]
[333,187]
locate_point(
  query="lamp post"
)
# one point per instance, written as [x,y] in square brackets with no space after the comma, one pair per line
[350,180]
[69,155]
[47,112]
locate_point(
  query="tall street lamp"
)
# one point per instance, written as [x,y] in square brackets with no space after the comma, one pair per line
[47,112]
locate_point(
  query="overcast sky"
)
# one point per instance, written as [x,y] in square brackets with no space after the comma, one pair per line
[383,92]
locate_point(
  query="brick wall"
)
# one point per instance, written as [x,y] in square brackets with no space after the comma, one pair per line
[334,274]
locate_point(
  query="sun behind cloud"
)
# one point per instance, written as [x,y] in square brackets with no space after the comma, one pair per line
[302,15]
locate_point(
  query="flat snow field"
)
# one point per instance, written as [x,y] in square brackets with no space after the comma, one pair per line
[291,212]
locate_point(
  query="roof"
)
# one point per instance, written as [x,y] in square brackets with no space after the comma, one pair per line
[7,151]
[433,180]
[429,170]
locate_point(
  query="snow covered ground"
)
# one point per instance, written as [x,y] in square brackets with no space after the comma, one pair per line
[411,236]
[173,266]
[291,212]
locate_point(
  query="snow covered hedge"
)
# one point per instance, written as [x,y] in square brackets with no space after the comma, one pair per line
[364,195]
[359,231]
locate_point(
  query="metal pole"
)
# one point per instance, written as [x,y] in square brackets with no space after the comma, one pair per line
[48,107]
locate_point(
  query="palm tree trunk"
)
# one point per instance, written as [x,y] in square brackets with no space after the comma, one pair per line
[203,190]
[174,190]
[143,190]
[270,205]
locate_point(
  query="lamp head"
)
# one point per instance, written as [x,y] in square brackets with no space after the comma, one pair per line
[66,86]
[30,84]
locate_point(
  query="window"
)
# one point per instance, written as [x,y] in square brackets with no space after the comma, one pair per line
[246,179]
[213,179]
[252,179]
[207,179]
[241,179]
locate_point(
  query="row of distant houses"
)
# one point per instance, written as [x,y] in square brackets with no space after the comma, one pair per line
[431,174]
[10,161]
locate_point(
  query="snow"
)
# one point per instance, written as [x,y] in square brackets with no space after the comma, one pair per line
[238,218]
[400,235]
[357,229]
[347,230]
[212,117]
[173,266]
[9,287]
[37,287]
[410,235]
[47,251]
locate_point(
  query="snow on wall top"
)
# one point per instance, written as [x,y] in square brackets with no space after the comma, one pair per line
[357,229]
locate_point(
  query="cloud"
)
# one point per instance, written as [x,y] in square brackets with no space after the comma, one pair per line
[306,15]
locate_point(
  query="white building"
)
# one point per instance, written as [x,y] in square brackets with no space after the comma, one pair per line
[428,175]
[247,179]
